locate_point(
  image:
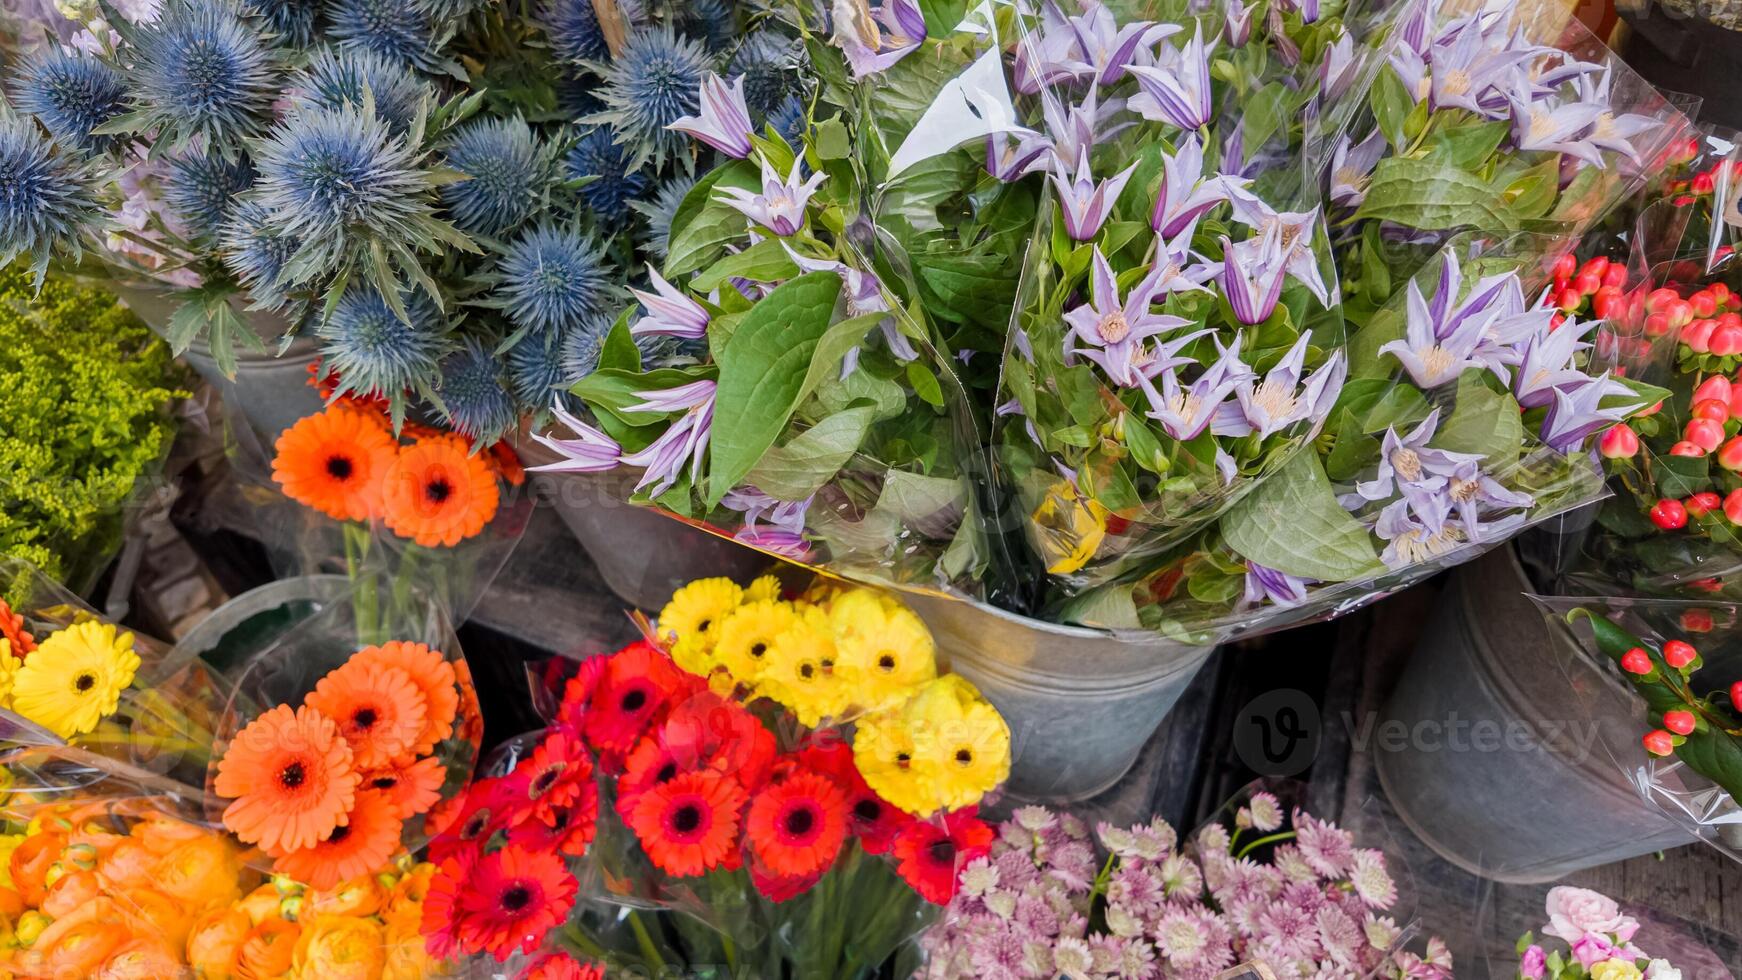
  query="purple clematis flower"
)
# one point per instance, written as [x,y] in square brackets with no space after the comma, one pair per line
[1079,127]
[1340,66]
[1293,231]
[1408,466]
[1185,193]
[864,295]
[685,439]
[1173,275]
[860,34]
[1412,70]
[1279,401]
[1352,166]
[1475,495]
[1415,26]
[1185,412]
[1464,70]
[1417,531]
[1264,584]
[1047,55]
[1179,92]
[786,544]
[1116,329]
[1546,362]
[1237,22]
[1104,48]
[1010,158]
[780,206]
[1286,50]
[1085,203]
[724,121]
[1441,337]
[1576,415]
[1252,274]
[669,312]
[1308,9]
[1552,125]
[1611,132]
[590,451]
[759,508]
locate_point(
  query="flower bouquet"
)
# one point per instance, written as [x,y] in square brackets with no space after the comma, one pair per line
[1599,940]
[717,781]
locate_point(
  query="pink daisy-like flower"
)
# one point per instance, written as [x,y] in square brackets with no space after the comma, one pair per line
[1015,868]
[1156,840]
[1339,935]
[1371,881]
[1034,916]
[1381,930]
[1308,896]
[979,878]
[1326,847]
[997,955]
[1124,958]
[1135,887]
[1071,957]
[1181,879]
[1292,864]
[1033,819]
[1290,930]
[1265,812]
[1073,865]
[1182,938]
[1213,837]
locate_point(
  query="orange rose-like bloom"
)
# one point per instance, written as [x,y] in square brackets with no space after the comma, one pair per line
[141,959]
[290,775]
[379,711]
[334,462]
[267,951]
[437,494]
[215,942]
[412,789]
[75,945]
[362,895]
[432,673]
[359,846]
[339,948]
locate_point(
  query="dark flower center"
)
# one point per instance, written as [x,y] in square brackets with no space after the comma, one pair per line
[903,759]
[964,756]
[868,810]
[806,671]
[476,825]
[702,627]
[339,834]
[546,780]
[516,897]
[385,782]
[365,718]
[943,852]
[634,700]
[886,663]
[438,490]
[800,820]
[666,773]
[84,682]
[291,776]
[757,650]
[339,467]
[687,818]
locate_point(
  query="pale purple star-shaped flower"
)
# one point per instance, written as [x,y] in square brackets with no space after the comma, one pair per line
[684,440]
[1105,48]
[1352,166]
[1577,414]
[1087,204]
[1174,274]
[1046,56]
[1279,400]
[875,41]
[1177,93]
[1237,22]
[1075,128]
[1010,158]
[1412,70]
[1185,193]
[1340,66]
[1545,363]
[1417,531]
[1293,230]
[1475,496]
[669,312]
[1308,9]
[1442,338]
[1115,328]
[1610,131]
[1408,465]
[724,120]
[1464,70]
[1185,412]
[1252,275]
[1552,125]
[1283,46]
[760,509]
[780,206]
[590,451]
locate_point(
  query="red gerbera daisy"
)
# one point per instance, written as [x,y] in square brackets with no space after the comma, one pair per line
[568,829]
[649,764]
[707,731]
[554,776]
[638,684]
[690,824]
[561,966]
[486,810]
[797,826]
[440,924]
[579,690]
[515,896]
[871,818]
[930,855]
[777,887]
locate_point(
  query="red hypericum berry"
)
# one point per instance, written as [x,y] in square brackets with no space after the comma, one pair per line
[1659,743]
[1736,695]
[1596,265]
[1701,504]
[1615,275]
[1712,409]
[1724,251]
[1619,442]
[1681,312]
[1685,448]
[1636,661]
[1678,721]
[1704,304]
[1679,653]
[1719,291]
[1730,318]
[1653,410]
[1730,455]
[1657,325]
[1704,433]
[1717,386]
[1669,514]
[1566,266]
[1697,334]
[1555,321]
[1696,621]
[1702,184]
[1733,507]
[1659,297]
[1607,302]
[1569,300]
[1735,400]
[1726,341]
[1587,282]
[1683,201]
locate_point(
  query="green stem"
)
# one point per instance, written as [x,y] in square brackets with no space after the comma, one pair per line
[583,942]
[1260,842]
[648,951]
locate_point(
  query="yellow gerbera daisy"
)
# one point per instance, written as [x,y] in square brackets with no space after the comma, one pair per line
[746,636]
[803,670]
[963,738]
[75,678]
[764,589]
[886,645]
[8,669]
[889,759]
[691,620]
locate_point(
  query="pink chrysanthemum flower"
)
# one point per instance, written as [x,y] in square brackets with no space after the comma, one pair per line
[1181,937]
[1181,879]
[1292,864]
[1372,883]
[1072,958]
[1339,935]
[1290,929]
[1326,847]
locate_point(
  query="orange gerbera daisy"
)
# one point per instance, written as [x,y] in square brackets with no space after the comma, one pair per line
[437,494]
[797,825]
[379,710]
[290,775]
[412,788]
[360,845]
[12,629]
[433,675]
[334,462]
[690,824]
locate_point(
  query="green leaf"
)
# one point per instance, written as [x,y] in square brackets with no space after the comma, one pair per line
[912,497]
[1483,421]
[831,141]
[702,225]
[1262,115]
[796,470]
[1432,196]
[1717,756]
[1391,106]
[925,384]
[1681,476]
[619,352]
[766,261]
[1353,450]
[1109,607]
[1293,523]
[1468,145]
[765,370]
[1533,193]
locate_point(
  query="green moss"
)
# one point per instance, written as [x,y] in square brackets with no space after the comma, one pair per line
[85,391]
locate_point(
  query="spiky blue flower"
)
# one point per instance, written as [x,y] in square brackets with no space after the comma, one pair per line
[201,71]
[551,277]
[201,189]
[337,77]
[535,368]
[399,29]
[291,21]
[377,353]
[772,65]
[72,93]
[617,184]
[572,28]
[582,345]
[711,21]
[47,196]
[658,211]
[654,83]
[789,119]
[473,401]
[254,254]
[509,172]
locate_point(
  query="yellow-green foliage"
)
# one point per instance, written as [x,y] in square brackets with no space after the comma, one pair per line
[84,414]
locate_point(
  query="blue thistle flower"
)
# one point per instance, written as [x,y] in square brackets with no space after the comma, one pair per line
[291,21]
[655,82]
[377,353]
[474,402]
[535,368]
[46,196]
[789,119]
[552,276]
[772,65]
[581,346]
[711,21]
[509,172]
[572,28]
[202,187]
[201,71]
[338,77]
[71,94]
[256,255]
[577,95]
[659,211]
[598,154]
[399,29]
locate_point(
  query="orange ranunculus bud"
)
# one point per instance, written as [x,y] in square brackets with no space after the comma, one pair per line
[69,892]
[215,942]
[266,953]
[201,872]
[76,944]
[359,896]
[340,948]
[261,903]
[30,863]
[141,959]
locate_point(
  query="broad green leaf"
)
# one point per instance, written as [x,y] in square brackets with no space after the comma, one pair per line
[765,261]
[925,384]
[1483,421]
[831,140]
[1262,115]
[1293,523]
[811,458]
[1533,193]
[1109,607]
[618,352]
[1391,106]
[1466,146]
[702,225]
[765,370]
[911,497]
[885,395]
[1431,196]
[1717,756]
[1681,476]
[1353,449]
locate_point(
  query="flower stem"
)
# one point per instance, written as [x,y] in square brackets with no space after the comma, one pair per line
[1260,842]
[648,951]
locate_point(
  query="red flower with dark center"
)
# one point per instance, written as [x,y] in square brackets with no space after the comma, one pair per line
[707,731]
[513,898]
[797,826]
[561,966]
[440,924]
[553,777]
[650,764]
[569,829]
[872,819]
[638,684]
[930,855]
[488,808]
[778,887]
[690,824]
[578,692]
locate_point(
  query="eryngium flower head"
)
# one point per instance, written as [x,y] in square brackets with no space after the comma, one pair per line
[772,66]
[292,22]
[254,253]
[473,401]
[377,353]
[201,189]
[658,212]
[46,196]
[654,83]
[711,21]
[551,277]
[617,184]
[545,363]
[399,29]
[201,71]
[71,93]
[582,345]
[572,28]
[509,172]
[338,77]
[789,119]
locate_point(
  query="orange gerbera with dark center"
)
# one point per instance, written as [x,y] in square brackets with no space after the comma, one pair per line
[514,896]
[438,494]
[554,776]
[690,824]
[12,628]
[796,826]
[379,710]
[291,777]
[568,829]
[872,819]
[412,787]
[362,844]
[335,461]
[931,854]
[433,675]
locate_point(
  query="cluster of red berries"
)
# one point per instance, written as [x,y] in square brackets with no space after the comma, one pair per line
[1599,279]
[1702,184]
[1716,403]
[1678,723]
[1709,321]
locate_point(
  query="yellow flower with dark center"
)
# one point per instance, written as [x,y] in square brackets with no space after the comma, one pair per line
[690,622]
[804,672]
[75,678]
[1071,528]
[885,644]
[747,635]
[964,738]
[888,757]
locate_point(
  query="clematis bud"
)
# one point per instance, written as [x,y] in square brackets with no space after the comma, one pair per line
[1620,442]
